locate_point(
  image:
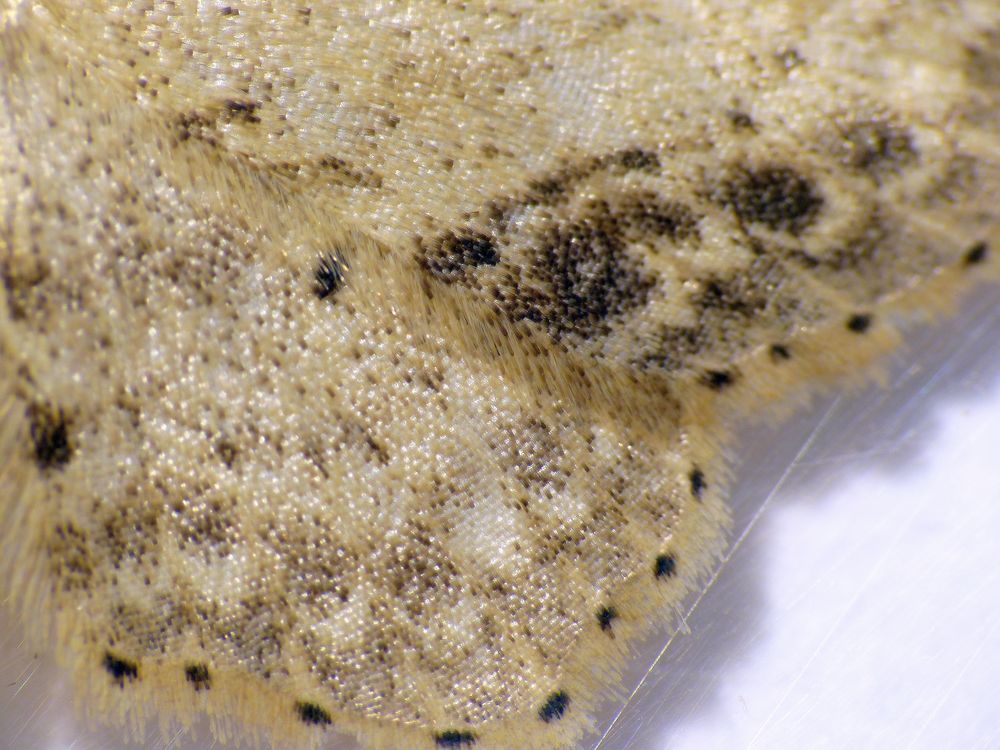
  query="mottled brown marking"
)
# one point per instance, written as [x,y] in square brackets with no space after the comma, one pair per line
[587,277]
[453,257]
[70,556]
[22,280]
[242,110]
[877,145]
[776,196]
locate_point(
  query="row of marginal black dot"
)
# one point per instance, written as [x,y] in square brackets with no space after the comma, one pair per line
[858,322]
[665,565]
[718,380]
[328,278]
[122,669]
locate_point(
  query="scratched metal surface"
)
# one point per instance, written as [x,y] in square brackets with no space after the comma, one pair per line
[859,606]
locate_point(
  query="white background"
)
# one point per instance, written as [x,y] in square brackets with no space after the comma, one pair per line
[859,607]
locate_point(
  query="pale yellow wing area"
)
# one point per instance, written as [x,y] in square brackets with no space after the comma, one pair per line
[368,366]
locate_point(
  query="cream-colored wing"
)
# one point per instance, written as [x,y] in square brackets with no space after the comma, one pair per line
[369,364]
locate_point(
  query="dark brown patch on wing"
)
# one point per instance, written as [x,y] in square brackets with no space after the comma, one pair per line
[780,352]
[638,159]
[724,306]
[570,272]
[776,196]
[453,257]
[698,482]
[49,427]
[586,278]
[859,322]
